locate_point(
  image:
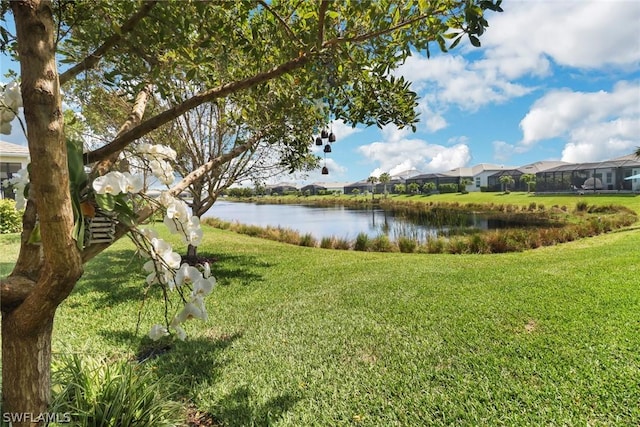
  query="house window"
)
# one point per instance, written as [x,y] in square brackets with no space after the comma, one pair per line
[609,177]
[477,182]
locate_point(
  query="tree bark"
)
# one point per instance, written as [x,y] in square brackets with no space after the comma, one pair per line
[26,364]
[45,274]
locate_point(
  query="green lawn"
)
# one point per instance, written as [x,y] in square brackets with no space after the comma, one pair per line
[306,336]
[632,201]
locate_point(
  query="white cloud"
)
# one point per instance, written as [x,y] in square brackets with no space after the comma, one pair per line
[604,140]
[342,130]
[597,125]
[447,80]
[404,154]
[502,151]
[583,34]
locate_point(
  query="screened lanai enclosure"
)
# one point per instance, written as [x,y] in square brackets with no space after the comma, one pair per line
[607,176]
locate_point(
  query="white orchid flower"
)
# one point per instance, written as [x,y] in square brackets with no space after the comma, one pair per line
[157,332]
[133,183]
[203,287]
[179,211]
[5,128]
[149,233]
[12,95]
[164,251]
[180,333]
[207,270]
[6,115]
[191,310]
[166,199]
[194,233]
[111,183]
[187,275]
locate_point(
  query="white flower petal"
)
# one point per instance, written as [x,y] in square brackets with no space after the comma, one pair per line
[157,332]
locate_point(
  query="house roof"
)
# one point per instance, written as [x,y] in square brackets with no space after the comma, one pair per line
[540,166]
[7,149]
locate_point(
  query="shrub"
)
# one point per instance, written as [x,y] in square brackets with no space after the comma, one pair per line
[10,218]
[343,244]
[308,240]
[381,243]
[407,245]
[326,243]
[448,188]
[362,242]
[435,245]
[99,392]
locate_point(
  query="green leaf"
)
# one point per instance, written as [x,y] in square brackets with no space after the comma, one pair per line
[474,40]
[106,201]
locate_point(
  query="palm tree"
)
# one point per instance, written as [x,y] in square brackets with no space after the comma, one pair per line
[506,181]
[637,153]
[372,180]
[400,188]
[385,178]
[428,187]
[528,178]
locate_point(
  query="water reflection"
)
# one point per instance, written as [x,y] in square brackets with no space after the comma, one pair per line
[346,222]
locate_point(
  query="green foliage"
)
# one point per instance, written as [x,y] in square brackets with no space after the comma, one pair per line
[10,218]
[428,187]
[413,188]
[101,392]
[448,188]
[308,240]
[407,244]
[362,242]
[381,243]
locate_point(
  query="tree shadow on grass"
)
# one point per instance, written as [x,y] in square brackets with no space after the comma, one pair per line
[191,366]
[238,408]
[118,278]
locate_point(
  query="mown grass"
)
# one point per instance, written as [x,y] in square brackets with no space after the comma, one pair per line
[631,201]
[307,336]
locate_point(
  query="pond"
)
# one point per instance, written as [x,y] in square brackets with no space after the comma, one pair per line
[348,222]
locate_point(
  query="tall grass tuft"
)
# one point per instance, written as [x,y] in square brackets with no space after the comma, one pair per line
[362,242]
[99,392]
[308,240]
[381,243]
[407,244]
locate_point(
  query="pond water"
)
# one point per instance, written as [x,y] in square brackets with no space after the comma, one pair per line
[343,222]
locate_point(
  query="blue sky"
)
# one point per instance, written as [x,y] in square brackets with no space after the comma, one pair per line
[553,80]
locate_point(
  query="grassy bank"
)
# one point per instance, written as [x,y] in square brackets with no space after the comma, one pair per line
[306,336]
[570,201]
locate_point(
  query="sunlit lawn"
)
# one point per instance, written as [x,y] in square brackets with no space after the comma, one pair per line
[306,336]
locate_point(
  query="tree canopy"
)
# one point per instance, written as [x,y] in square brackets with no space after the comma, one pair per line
[336,57]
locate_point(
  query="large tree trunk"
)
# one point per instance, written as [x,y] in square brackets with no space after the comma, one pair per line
[45,273]
[26,361]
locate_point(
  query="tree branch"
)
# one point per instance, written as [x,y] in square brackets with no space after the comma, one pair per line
[121,141]
[134,118]
[288,29]
[369,36]
[93,58]
[324,5]
[121,229]
[14,290]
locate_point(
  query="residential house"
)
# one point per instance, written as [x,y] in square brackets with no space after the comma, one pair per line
[13,157]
